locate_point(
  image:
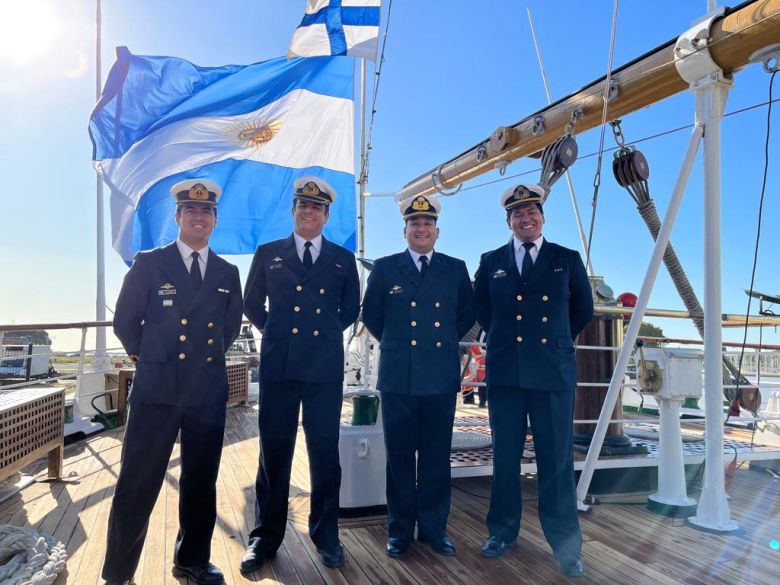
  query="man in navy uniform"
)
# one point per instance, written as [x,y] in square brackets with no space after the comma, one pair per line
[313,294]
[418,304]
[533,297]
[177,314]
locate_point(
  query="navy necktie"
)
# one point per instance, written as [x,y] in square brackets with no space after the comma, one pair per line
[195,275]
[307,259]
[423,266]
[528,263]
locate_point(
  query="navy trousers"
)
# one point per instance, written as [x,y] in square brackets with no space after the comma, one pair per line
[551,415]
[280,407]
[149,438]
[418,439]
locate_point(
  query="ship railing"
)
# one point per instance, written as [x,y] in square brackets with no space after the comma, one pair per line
[118,353]
[770,351]
[83,352]
[112,358]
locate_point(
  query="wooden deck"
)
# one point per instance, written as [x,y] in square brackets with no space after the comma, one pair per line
[623,543]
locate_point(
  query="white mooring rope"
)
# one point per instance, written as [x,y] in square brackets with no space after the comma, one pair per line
[28,557]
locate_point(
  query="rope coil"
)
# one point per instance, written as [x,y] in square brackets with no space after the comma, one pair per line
[28,557]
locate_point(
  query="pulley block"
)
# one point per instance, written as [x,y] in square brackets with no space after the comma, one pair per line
[630,167]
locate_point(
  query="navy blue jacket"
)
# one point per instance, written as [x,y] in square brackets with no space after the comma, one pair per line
[531,325]
[179,335]
[307,312]
[418,325]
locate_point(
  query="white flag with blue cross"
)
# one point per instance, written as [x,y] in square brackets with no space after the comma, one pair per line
[337,27]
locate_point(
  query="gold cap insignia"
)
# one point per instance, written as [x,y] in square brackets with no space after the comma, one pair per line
[310,188]
[421,204]
[520,194]
[199,192]
[314,189]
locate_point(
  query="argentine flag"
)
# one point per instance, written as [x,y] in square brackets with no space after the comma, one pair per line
[251,129]
[337,27]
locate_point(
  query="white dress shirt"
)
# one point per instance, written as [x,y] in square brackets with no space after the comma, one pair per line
[416,258]
[186,255]
[316,246]
[520,251]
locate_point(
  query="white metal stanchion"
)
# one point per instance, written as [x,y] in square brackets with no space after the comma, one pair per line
[619,372]
[713,511]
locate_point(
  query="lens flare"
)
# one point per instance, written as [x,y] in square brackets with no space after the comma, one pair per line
[28,31]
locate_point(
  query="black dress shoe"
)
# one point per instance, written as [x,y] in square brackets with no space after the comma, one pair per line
[441,546]
[255,556]
[570,565]
[333,558]
[495,547]
[129,582]
[396,547]
[205,574]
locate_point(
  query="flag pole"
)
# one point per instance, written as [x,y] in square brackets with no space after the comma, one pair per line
[361,218]
[361,211]
[101,357]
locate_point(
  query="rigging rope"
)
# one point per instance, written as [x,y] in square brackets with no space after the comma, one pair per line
[632,172]
[597,178]
[377,77]
[28,557]
[758,228]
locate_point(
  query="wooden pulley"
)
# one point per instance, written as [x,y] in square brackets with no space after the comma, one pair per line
[617,168]
[560,155]
[637,162]
[630,167]
[565,153]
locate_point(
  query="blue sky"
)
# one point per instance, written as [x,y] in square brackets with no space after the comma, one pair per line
[454,71]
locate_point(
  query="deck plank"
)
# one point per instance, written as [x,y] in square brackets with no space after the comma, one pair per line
[622,543]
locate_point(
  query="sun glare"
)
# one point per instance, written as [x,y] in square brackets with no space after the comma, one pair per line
[28,31]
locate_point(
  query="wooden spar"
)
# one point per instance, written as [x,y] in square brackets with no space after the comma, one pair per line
[727,319]
[649,79]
